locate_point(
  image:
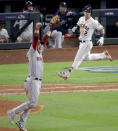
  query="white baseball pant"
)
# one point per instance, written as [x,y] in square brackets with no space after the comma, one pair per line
[83,53]
[33,90]
[56,39]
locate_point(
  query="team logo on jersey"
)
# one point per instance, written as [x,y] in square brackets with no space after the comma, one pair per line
[100,69]
[39,58]
[87,28]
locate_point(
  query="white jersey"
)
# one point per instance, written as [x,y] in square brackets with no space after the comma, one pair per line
[4,33]
[29,27]
[89,26]
[27,34]
[35,63]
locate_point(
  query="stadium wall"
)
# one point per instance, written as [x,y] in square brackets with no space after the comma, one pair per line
[51,55]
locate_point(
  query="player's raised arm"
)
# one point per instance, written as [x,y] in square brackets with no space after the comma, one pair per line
[36,36]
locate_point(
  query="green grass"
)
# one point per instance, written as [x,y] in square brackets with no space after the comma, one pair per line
[96,111]
[17,73]
[73,112]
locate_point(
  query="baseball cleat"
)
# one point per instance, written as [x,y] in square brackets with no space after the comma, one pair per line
[11,116]
[63,75]
[20,126]
[108,55]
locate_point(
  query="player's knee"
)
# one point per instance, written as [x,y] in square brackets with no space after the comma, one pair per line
[32,104]
[87,57]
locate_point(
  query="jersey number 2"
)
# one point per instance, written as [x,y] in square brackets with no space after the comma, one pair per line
[85,33]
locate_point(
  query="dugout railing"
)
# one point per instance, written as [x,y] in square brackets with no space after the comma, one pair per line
[11,24]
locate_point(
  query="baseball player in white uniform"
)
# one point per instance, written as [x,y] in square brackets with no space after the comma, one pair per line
[4,36]
[87,27]
[57,35]
[56,38]
[32,83]
[27,35]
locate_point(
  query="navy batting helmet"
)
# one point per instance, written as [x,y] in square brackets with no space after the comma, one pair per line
[28,3]
[87,8]
[63,4]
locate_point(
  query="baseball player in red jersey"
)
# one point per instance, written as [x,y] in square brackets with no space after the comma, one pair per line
[33,81]
[87,27]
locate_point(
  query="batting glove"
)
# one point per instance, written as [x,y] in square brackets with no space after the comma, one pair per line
[100,41]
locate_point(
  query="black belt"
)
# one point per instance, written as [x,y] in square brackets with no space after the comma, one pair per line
[37,79]
[34,79]
[83,40]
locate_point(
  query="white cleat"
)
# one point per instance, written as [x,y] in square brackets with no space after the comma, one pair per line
[108,56]
[21,127]
[11,116]
[63,75]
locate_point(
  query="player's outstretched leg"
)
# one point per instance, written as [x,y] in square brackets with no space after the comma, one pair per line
[11,116]
[65,75]
[108,56]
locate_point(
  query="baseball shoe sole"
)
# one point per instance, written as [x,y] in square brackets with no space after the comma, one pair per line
[11,116]
[62,75]
[20,126]
[108,55]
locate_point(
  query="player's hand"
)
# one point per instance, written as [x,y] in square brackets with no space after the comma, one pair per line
[69,13]
[100,41]
[38,25]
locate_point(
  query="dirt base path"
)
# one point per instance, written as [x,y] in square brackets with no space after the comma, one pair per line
[8,129]
[59,88]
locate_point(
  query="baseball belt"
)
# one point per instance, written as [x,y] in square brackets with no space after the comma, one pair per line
[34,79]
[83,40]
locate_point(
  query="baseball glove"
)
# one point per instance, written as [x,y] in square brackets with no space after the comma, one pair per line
[55,22]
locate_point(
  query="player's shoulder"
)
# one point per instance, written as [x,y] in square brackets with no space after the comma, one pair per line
[91,18]
[57,12]
[81,18]
[93,21]
[68,11]
[4,30]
